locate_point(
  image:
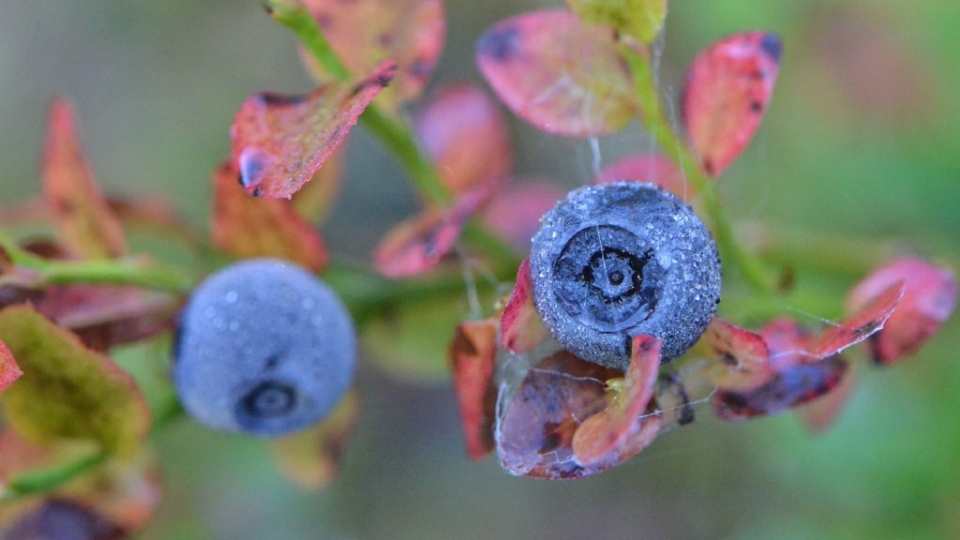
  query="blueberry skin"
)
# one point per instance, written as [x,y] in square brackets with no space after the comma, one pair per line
[264,348]
[615,260]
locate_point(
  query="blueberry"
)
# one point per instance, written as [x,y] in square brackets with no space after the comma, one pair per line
[615,260]
[264,347]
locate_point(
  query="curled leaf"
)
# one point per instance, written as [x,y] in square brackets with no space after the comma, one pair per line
[364,33]
[473,359]
[67,390]
[929,298]
[278,142]
[637,19]
[726,92]
[823,411]
[647,167]
[465,134]
[866,321]
[79,211]
[535,431]
[521,328]
[563,77]
[311,458]
[419,244]
[245,226]
[606,436]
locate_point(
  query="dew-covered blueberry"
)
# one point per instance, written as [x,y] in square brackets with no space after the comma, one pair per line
[264,347]
[615,260]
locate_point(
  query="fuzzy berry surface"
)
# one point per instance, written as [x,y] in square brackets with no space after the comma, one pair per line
[264,348]
[615,260]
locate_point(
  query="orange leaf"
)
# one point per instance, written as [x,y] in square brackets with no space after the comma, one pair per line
[726,93]
[553,71]
[245,227]
[278,142]
[473,358]
[79,212]
[604,437]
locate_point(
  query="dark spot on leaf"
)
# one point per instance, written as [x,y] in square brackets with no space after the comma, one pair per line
[499,44]
[324,21]
[257,191]
[756,106]
[272,99]
[420,68]
[772,45]
[708,166]
[385,40]
[728,358]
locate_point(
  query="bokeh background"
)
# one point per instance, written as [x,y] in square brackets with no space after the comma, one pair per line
[862,138]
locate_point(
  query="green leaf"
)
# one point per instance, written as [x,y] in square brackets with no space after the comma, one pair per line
[67,390]
[639,19]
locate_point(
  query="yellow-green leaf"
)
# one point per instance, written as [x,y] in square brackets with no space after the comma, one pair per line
[68,390]
[639,19]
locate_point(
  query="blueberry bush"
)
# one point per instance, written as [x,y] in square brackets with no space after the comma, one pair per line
[374,239]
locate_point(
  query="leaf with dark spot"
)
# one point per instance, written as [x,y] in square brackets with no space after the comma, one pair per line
[67,390]
[743,352]
[929,298]
[245,226]
[278,143]
[80,214]
[521,328]
[473,360]
[725,94]
[563,77]
[464,133]
[364,33]
[822,412]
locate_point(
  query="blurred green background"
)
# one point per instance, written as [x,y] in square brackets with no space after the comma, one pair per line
[862,138]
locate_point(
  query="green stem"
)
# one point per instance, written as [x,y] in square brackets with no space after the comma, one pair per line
[129,271]
[44,480]
[650,111]
[395,134]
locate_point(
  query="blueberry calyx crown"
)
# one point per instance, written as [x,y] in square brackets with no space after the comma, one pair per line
[615,260]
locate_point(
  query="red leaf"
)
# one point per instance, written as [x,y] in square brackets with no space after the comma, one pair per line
[521,328]
[743,352]
[103,316]
[869,319]
[463,131]
[278,142]
[647,167]
[725,94]
[822,412]
[9,370]
[929,297]
[364,33]
[318,196]
[605,436]
[514,213]
[81,215]
[419,244]
[800,383]
[473,358]
[244,226]
[535,433]
[553,71]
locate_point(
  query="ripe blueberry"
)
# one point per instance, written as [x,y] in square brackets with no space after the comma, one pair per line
[615,260]
[264,347]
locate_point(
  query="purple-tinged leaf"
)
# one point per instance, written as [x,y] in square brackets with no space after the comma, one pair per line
[563,77]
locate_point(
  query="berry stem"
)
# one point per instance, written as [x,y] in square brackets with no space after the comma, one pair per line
[127,271]
[650,112]
[47,479]
[392,131]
